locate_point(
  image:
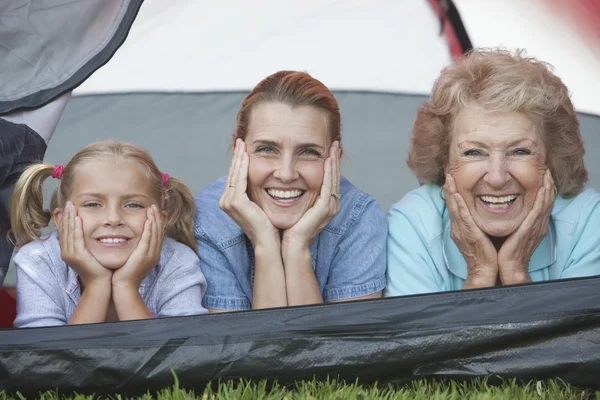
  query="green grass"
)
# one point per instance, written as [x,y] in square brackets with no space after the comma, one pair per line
[332,389]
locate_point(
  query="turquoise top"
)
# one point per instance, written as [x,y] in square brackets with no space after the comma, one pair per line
[423,258]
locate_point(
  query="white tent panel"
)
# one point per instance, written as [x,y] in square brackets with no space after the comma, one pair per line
[229,45]
[545,34]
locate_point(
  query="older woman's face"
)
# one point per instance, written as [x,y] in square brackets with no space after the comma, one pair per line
[498,161]
[287,148]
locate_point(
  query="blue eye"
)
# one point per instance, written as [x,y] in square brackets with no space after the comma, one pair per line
[310,152]
[92,204]
[265,149]
[134,205]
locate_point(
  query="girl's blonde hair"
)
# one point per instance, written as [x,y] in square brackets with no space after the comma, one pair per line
[28,216]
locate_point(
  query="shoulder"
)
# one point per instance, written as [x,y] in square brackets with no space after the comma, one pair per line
[584,202]
[423,208]
[355,205]
[44,251]
[212,223]
[580,211]
[176,253]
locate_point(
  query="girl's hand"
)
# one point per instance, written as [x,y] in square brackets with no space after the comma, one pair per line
[236,203]
[74,252]
[326,207]
[145,256]
[516,251]
[475,246]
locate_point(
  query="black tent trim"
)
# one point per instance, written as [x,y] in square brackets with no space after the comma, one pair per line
[459,28]
[544,330]
[43,97]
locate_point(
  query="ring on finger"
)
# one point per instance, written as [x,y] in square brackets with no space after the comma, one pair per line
[338,196]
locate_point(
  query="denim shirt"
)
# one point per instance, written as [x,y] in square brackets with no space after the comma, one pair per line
[422,257]
[348,256]
[48,289]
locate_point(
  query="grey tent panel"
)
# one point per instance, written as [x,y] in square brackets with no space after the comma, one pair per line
[48,47]
[189,135]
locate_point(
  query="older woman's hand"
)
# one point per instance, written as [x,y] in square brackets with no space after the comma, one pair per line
[516,251]
[326,207]
[236,203]
[475,246]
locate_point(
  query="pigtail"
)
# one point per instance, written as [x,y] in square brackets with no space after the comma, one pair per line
[27,214]
[180,207]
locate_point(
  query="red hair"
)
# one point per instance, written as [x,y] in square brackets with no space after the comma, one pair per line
[294,89]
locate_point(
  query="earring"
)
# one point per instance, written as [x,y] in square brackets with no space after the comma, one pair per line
[441,192]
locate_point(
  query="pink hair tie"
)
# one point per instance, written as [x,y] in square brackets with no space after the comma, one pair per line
[58,171]
[165,178]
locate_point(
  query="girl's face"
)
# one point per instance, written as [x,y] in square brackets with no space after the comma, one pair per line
[287,148]
[111,200]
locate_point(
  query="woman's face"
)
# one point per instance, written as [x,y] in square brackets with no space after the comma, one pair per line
[498,161]
[287,148]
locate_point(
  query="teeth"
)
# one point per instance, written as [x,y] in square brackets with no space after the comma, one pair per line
[284,194]
[498,200]
[112,240]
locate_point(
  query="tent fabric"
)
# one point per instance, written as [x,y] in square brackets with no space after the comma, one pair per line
[48,47]
[173,89]
[363,45]
[546,33]
[376,130]
[19,147]
[539,331]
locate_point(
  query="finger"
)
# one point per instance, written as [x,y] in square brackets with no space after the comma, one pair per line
[144,243]
[71,229]
[463,210]
[326,189]
[451,203]
[552,190]
[535,215]
[156,232]
[229,191]
[77,242]
[232,165]
[335,168]
[242,179]
[62,238]
[235,174]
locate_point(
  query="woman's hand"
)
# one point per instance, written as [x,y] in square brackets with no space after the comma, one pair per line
[516,251]
[325,208]
[146,254]
[74,252]
[236,203]
[475,246]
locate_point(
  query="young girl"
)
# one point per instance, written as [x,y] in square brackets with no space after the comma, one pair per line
[109,259]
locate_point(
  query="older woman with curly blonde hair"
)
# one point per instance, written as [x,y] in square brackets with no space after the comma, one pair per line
[499,155]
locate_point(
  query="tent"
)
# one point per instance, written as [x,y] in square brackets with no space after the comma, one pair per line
[176,77]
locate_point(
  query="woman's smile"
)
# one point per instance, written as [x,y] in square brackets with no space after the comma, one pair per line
[285,198]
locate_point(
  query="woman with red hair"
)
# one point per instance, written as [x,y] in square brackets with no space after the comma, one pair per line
[284,228]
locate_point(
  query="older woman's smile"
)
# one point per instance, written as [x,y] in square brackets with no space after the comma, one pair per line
[497,159]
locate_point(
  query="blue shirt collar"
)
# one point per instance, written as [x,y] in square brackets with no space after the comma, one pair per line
[543,256]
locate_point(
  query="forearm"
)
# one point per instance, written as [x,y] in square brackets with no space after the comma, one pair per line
[300,280]
[269,277]
[93,304]
[129,303]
